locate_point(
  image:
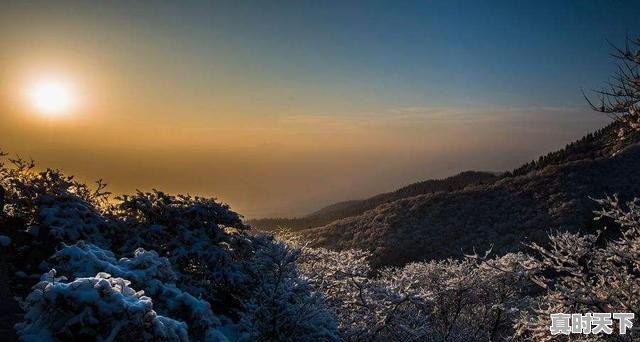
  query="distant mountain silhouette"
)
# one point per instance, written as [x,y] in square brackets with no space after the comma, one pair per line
[552,193]
[346,209]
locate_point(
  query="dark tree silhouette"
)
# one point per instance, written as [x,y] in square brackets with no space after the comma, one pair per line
[621,99]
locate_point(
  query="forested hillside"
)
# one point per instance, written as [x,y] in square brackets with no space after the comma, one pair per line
[601,143]
[553,193]
[350,208]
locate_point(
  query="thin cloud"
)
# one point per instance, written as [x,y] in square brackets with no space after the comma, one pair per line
[425,114]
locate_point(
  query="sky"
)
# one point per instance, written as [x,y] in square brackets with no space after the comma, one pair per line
[282,107]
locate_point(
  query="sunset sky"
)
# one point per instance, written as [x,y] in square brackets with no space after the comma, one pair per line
[281,107]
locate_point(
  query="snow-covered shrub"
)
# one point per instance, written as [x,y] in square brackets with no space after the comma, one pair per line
[42,209]
[95,308]
[83,259]
[587,273]
[159,208]
[24,186]
[283,307]
[58,219]
[146,271]
[203,240]
[68,218]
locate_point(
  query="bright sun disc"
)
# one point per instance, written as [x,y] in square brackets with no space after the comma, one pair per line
[51,97]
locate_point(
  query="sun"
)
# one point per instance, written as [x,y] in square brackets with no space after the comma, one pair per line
[51,97]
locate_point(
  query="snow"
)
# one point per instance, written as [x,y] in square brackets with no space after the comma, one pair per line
[147,271]
[70,218]
[100,306]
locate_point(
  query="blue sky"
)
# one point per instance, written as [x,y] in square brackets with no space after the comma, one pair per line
[440,52]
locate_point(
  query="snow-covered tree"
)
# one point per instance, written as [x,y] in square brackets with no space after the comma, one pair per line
[475,299]
[283,307]
[366,308]
[587,273]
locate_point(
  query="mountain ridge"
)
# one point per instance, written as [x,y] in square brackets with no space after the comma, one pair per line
[554,193]
[340,210]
